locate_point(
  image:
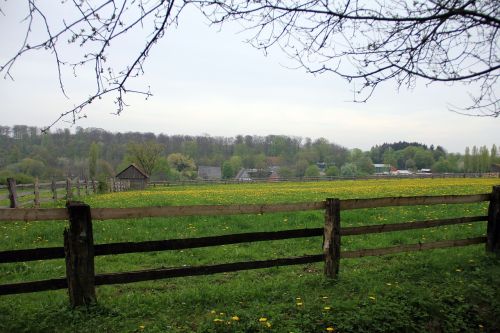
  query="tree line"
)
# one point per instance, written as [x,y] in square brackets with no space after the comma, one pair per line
[26,153]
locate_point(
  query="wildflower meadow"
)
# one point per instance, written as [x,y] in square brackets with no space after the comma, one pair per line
[447,290]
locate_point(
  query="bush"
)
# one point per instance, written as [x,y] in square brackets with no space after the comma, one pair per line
[332,171]
[349,170]
[312,171]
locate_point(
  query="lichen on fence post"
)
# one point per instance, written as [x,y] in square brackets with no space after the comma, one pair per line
[79,255]
[493,229]
[331,238]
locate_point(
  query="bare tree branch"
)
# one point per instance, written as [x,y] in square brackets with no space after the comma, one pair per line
[366,42]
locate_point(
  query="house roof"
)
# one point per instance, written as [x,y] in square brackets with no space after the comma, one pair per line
[135,167]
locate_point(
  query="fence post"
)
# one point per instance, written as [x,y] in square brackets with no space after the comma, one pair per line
[94,189]
[68,189]
[493,229]
[86,184]
[36,192]
[78,193]
[11,185]
[331,238]
[79,255]
[53,188]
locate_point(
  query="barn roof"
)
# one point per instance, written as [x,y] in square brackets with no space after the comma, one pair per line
[134,167]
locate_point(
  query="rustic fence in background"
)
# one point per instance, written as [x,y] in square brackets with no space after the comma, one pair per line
[33,195]
[79,249]
[160,183]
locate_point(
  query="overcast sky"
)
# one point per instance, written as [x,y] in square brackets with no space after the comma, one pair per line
[206,81]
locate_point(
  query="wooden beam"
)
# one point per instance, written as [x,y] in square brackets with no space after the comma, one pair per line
[33,214]
[412,201]
[412,247]
[32,254]
[165,273]
[11,186]
[331,238]
[493,228]
[379,228]
[33,286]
[188,243]
[36,193]
[205,210]
[79,253]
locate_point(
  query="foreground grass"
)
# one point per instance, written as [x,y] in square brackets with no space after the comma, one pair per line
[453,290]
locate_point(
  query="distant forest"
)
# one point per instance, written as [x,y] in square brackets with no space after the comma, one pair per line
[26,153]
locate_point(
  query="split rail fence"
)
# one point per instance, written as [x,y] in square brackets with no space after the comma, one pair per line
[33,195]
[79,249]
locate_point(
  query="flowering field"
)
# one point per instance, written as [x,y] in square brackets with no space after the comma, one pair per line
[451,290]
[292,192]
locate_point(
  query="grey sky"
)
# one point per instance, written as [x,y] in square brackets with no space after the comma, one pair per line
[209,82]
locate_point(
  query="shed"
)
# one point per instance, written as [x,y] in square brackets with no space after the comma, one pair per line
[138,179]
[209,172]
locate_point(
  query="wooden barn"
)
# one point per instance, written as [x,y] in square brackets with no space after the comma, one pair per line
[138,179]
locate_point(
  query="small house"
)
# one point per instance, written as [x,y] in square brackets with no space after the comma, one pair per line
[209,172]
[138,179]
[382,169]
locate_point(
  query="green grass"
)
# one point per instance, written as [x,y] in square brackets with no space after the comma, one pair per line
[449,290]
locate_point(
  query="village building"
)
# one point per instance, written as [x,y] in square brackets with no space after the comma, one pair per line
[209,172]
[382,169]
[138,179]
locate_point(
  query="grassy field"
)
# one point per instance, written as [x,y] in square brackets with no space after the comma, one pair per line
[449,290]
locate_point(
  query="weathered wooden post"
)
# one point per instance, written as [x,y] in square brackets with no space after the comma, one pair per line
[78,193]
[94,189]
[69,193]
[11,186]
[493,229]
[36,192]
[331,238]
[79,254]
[86,186]
[53,188]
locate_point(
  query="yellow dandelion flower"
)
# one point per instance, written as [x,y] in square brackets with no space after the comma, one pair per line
[372,298]
[325,297]
[142,327]
[262,319]
[330,329]
[327,308]
[218,320]
[268,324]
[212,312]
[300,303]
[235,318]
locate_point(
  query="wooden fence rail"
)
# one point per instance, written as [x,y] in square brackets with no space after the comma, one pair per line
[53,190]
[79,251]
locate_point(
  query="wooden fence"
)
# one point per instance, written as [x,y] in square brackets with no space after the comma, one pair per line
[37,193]
[159,183]
[79,249]
[33,195]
